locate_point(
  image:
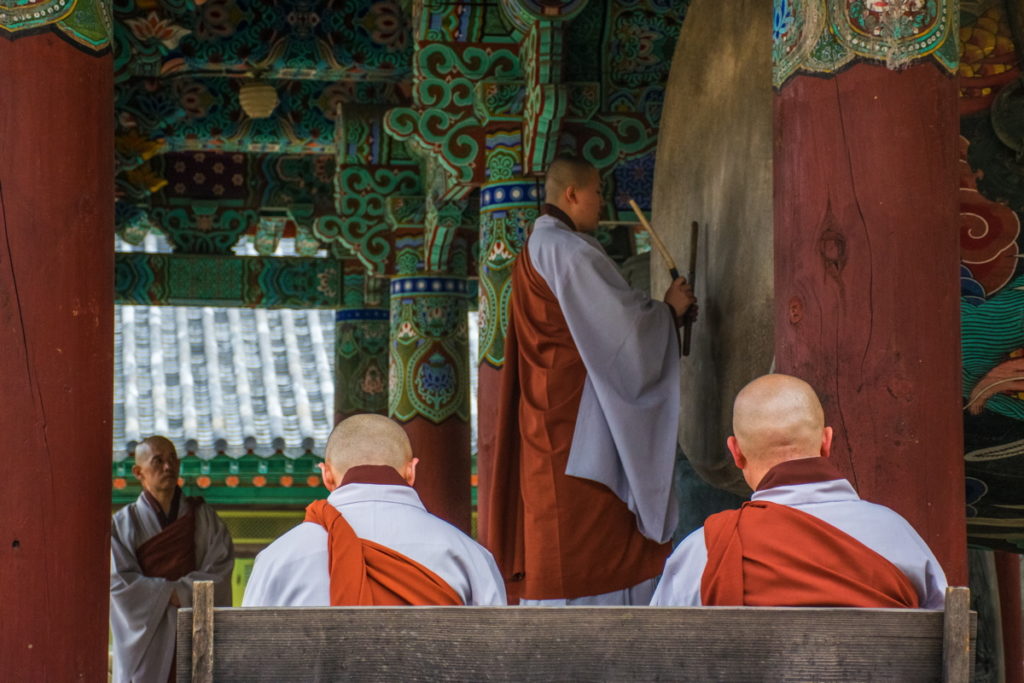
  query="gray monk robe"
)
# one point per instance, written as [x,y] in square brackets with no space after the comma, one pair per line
[588,416]
[152,556]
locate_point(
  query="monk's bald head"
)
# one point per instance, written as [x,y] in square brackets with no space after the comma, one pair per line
[367,440]
[153,444]
[777,418]
[565,172]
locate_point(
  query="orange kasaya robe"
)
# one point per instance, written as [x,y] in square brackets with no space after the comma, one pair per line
[366,573]
[766,554]
[553,535]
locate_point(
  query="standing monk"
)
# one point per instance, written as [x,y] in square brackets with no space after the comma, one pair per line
[583,505]
[806,539]
[160,545]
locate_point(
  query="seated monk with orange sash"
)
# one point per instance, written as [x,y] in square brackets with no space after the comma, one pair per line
[806,539]
[372,542]
[160,545]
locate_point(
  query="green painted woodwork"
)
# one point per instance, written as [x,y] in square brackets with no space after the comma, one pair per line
[86,24]
[825,37]
[442,125]
[204,113]
[361,362]
[341,41]
[442,221]
[523,14]
[372,168]
[428,374]
[265,282]
[406,218]
[223,480]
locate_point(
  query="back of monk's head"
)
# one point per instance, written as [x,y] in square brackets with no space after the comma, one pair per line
[367,440]
[777,418]
[567,171]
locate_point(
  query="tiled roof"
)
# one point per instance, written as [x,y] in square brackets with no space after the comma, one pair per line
[227,379]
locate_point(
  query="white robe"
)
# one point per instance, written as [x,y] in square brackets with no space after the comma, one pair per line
[142,621]
[836,503]
[628,419]
[293,570]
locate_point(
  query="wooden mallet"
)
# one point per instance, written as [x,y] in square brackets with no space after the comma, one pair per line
[656,241]
[670,262]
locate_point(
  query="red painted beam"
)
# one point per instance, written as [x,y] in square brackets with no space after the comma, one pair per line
[56,358]
[866,286]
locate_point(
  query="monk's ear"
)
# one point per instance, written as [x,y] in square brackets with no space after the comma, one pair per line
[826,442]
[137,471]
[327,474]
[737,454]
[570,194]
[409,474]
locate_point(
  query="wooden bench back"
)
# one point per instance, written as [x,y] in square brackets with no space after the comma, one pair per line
[574,644]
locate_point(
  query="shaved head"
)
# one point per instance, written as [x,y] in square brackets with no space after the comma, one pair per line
[777,418]
[145,449]
[367,440]
[156,467]
[565,172]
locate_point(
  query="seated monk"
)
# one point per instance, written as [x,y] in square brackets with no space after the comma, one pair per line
[805,539]
[372,542]
[160,545]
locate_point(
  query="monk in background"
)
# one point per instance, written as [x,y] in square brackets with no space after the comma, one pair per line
[805,539]
[159,546]
[372,542]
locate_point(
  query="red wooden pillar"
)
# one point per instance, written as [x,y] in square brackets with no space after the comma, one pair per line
[56,356]
[1009,578]
[428,388]
[508,207]
[866,292]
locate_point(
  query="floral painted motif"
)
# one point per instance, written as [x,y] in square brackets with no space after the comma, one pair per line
[429,373]
[154,27]
[823,37]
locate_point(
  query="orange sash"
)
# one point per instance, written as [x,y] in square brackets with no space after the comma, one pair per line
[766,554]
[367,573]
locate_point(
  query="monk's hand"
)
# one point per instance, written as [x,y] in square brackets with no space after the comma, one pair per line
[679,296]
[174,601]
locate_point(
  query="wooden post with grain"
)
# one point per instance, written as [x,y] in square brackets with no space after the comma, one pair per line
[202,632]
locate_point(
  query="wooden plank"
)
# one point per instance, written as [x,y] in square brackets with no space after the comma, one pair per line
[592,644]
[202,632]
[956,649]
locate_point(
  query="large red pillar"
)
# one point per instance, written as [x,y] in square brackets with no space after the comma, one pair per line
[428,388]
[56,356]
[866,291]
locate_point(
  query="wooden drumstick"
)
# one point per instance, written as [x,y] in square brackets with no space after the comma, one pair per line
[673,271]
[656,241]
